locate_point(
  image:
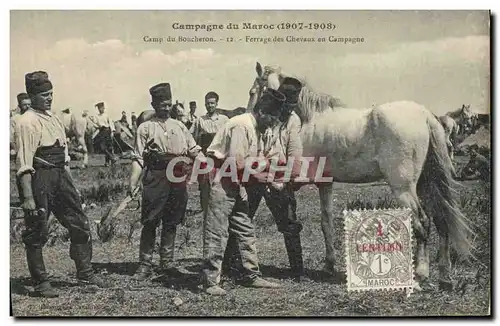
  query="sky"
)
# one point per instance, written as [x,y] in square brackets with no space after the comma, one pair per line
[440,59]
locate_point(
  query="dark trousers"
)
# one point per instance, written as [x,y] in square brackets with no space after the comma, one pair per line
[54,191]
[281,203]
[89,142]
[105,142]
[20,190]
[165,202]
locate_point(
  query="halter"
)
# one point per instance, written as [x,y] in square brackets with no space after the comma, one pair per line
[259,86]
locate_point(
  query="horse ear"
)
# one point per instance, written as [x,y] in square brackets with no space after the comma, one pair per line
[259,69]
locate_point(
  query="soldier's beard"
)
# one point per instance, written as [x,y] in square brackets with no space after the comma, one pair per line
[265,121]
[163,114]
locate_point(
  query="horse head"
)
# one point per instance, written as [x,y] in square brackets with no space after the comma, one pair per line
[267,77]
[466,117]
[310,102]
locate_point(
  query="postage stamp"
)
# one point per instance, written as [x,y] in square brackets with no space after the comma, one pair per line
[378,249]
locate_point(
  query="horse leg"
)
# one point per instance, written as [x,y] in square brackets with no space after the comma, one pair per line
[444,261]
[326,202]
[402,169]
[407,196]
[81,141]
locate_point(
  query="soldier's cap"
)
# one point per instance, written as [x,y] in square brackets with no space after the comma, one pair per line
[291,88]
[212,94]
[192,103]
[99,105]
[21,97]
[271,102]
[37,82]
[161,92]
[65,110]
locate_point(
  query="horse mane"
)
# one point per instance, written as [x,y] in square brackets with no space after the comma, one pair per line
[310,101]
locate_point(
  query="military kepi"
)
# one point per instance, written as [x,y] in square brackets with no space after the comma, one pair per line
[271,102]
[212,94]
[37,82]
[161,92]
[99,105]
[291,88]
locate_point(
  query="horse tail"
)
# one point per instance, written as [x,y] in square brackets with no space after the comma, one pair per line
[436,186]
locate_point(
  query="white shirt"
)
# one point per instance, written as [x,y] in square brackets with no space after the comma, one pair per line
[103,120]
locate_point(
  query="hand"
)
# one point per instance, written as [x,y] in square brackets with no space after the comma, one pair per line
[29,204]
[277,186]
[262,177]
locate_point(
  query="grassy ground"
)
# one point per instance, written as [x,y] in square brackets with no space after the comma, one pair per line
[317,296]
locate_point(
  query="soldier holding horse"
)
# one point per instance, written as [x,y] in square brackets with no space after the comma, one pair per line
[374,144]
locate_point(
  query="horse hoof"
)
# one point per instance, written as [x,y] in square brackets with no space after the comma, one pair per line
[423,285]
[445,286]
[332,275]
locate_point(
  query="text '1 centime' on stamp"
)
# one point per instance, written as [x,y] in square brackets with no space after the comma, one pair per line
[379,249]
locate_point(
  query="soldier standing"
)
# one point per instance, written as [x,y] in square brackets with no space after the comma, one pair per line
[192,116]
[158,141]
[203,130]
[23,104]
[240,138]
[42,166]
[106,132]
[285,140]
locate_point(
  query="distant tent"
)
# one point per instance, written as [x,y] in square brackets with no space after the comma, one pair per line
[481,138]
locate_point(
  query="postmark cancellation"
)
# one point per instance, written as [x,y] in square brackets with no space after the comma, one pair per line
[378,249]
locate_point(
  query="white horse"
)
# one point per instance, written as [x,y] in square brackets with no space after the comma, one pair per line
[399,142]
[455,122]
[77,126]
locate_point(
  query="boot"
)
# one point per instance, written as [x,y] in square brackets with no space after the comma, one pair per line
[36,267]
[215,290]
[294,250]
[82,255]
[45,290]
[146,247]
[261,283]
[167,249]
